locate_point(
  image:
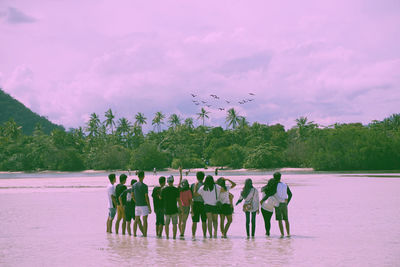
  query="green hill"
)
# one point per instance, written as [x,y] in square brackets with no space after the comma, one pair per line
[11,108]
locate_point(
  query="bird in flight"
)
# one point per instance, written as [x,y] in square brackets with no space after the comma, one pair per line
[251,94]
[221,109]
[228,102]
[193,95]
[203,102]
[215,96]
[208,105]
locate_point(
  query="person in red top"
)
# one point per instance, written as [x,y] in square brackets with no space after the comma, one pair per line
[185,197]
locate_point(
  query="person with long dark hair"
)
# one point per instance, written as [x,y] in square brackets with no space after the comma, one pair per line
[185,197]
[210,192]
[268,203]
[250,206]
[226,209]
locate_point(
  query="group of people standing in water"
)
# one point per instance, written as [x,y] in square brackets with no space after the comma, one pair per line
[204,200]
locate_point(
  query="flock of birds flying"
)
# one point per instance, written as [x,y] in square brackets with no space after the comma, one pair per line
[197,101]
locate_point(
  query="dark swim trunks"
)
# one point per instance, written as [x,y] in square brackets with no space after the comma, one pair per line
[281,212]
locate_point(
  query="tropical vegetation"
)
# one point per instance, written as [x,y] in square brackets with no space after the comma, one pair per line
[118,143]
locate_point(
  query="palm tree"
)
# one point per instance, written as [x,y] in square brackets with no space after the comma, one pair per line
[140,119]
[303,125]
[189,123]
[232,118]
[110,119]
[243,122]
[11,129]
[123,127]
[93,125]
[203,114]
[158,120]
[174,120]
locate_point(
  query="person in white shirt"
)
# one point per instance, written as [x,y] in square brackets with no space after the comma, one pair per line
[268,203]
[209,192]
[250,206]
[112,203]
[283,195]
[226,209]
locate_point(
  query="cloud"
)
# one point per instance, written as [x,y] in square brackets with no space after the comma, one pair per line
[259,61]
[15,16]
[309,59]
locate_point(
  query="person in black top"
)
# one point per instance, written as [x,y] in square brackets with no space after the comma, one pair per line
[129,206]
[170,198]
[159,206]
[121,187]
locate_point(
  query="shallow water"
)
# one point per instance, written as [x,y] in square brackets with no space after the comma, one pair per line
[336,219]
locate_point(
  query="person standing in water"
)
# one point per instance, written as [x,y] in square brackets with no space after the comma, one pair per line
[226,209]
[121,187]
[197,209]
[210,192]
[283,196]
[268,203]
[129,206]
[185,198]
[112,203]
[142,208]
[250,206]
[170,197]
[158,206]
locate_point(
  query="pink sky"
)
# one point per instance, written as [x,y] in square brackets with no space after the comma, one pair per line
[332,61]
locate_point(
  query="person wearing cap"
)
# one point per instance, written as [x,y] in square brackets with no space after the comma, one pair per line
[170,198]
[142,208]
[159,206]
[185,198]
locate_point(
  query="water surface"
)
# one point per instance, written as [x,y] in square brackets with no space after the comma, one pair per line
[336,219]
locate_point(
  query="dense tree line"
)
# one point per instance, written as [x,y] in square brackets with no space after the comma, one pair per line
[121,144]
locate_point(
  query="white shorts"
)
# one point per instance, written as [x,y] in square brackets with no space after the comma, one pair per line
[141,211]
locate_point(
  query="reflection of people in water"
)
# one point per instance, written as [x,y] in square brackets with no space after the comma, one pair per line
[216,171]
[155,171]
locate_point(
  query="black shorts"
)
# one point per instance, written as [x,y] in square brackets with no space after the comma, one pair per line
[198,211]
[210,209]
[226,209]
[281,212]
[160,217]
[129,212]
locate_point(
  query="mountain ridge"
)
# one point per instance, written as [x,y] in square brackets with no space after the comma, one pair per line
[11,108]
